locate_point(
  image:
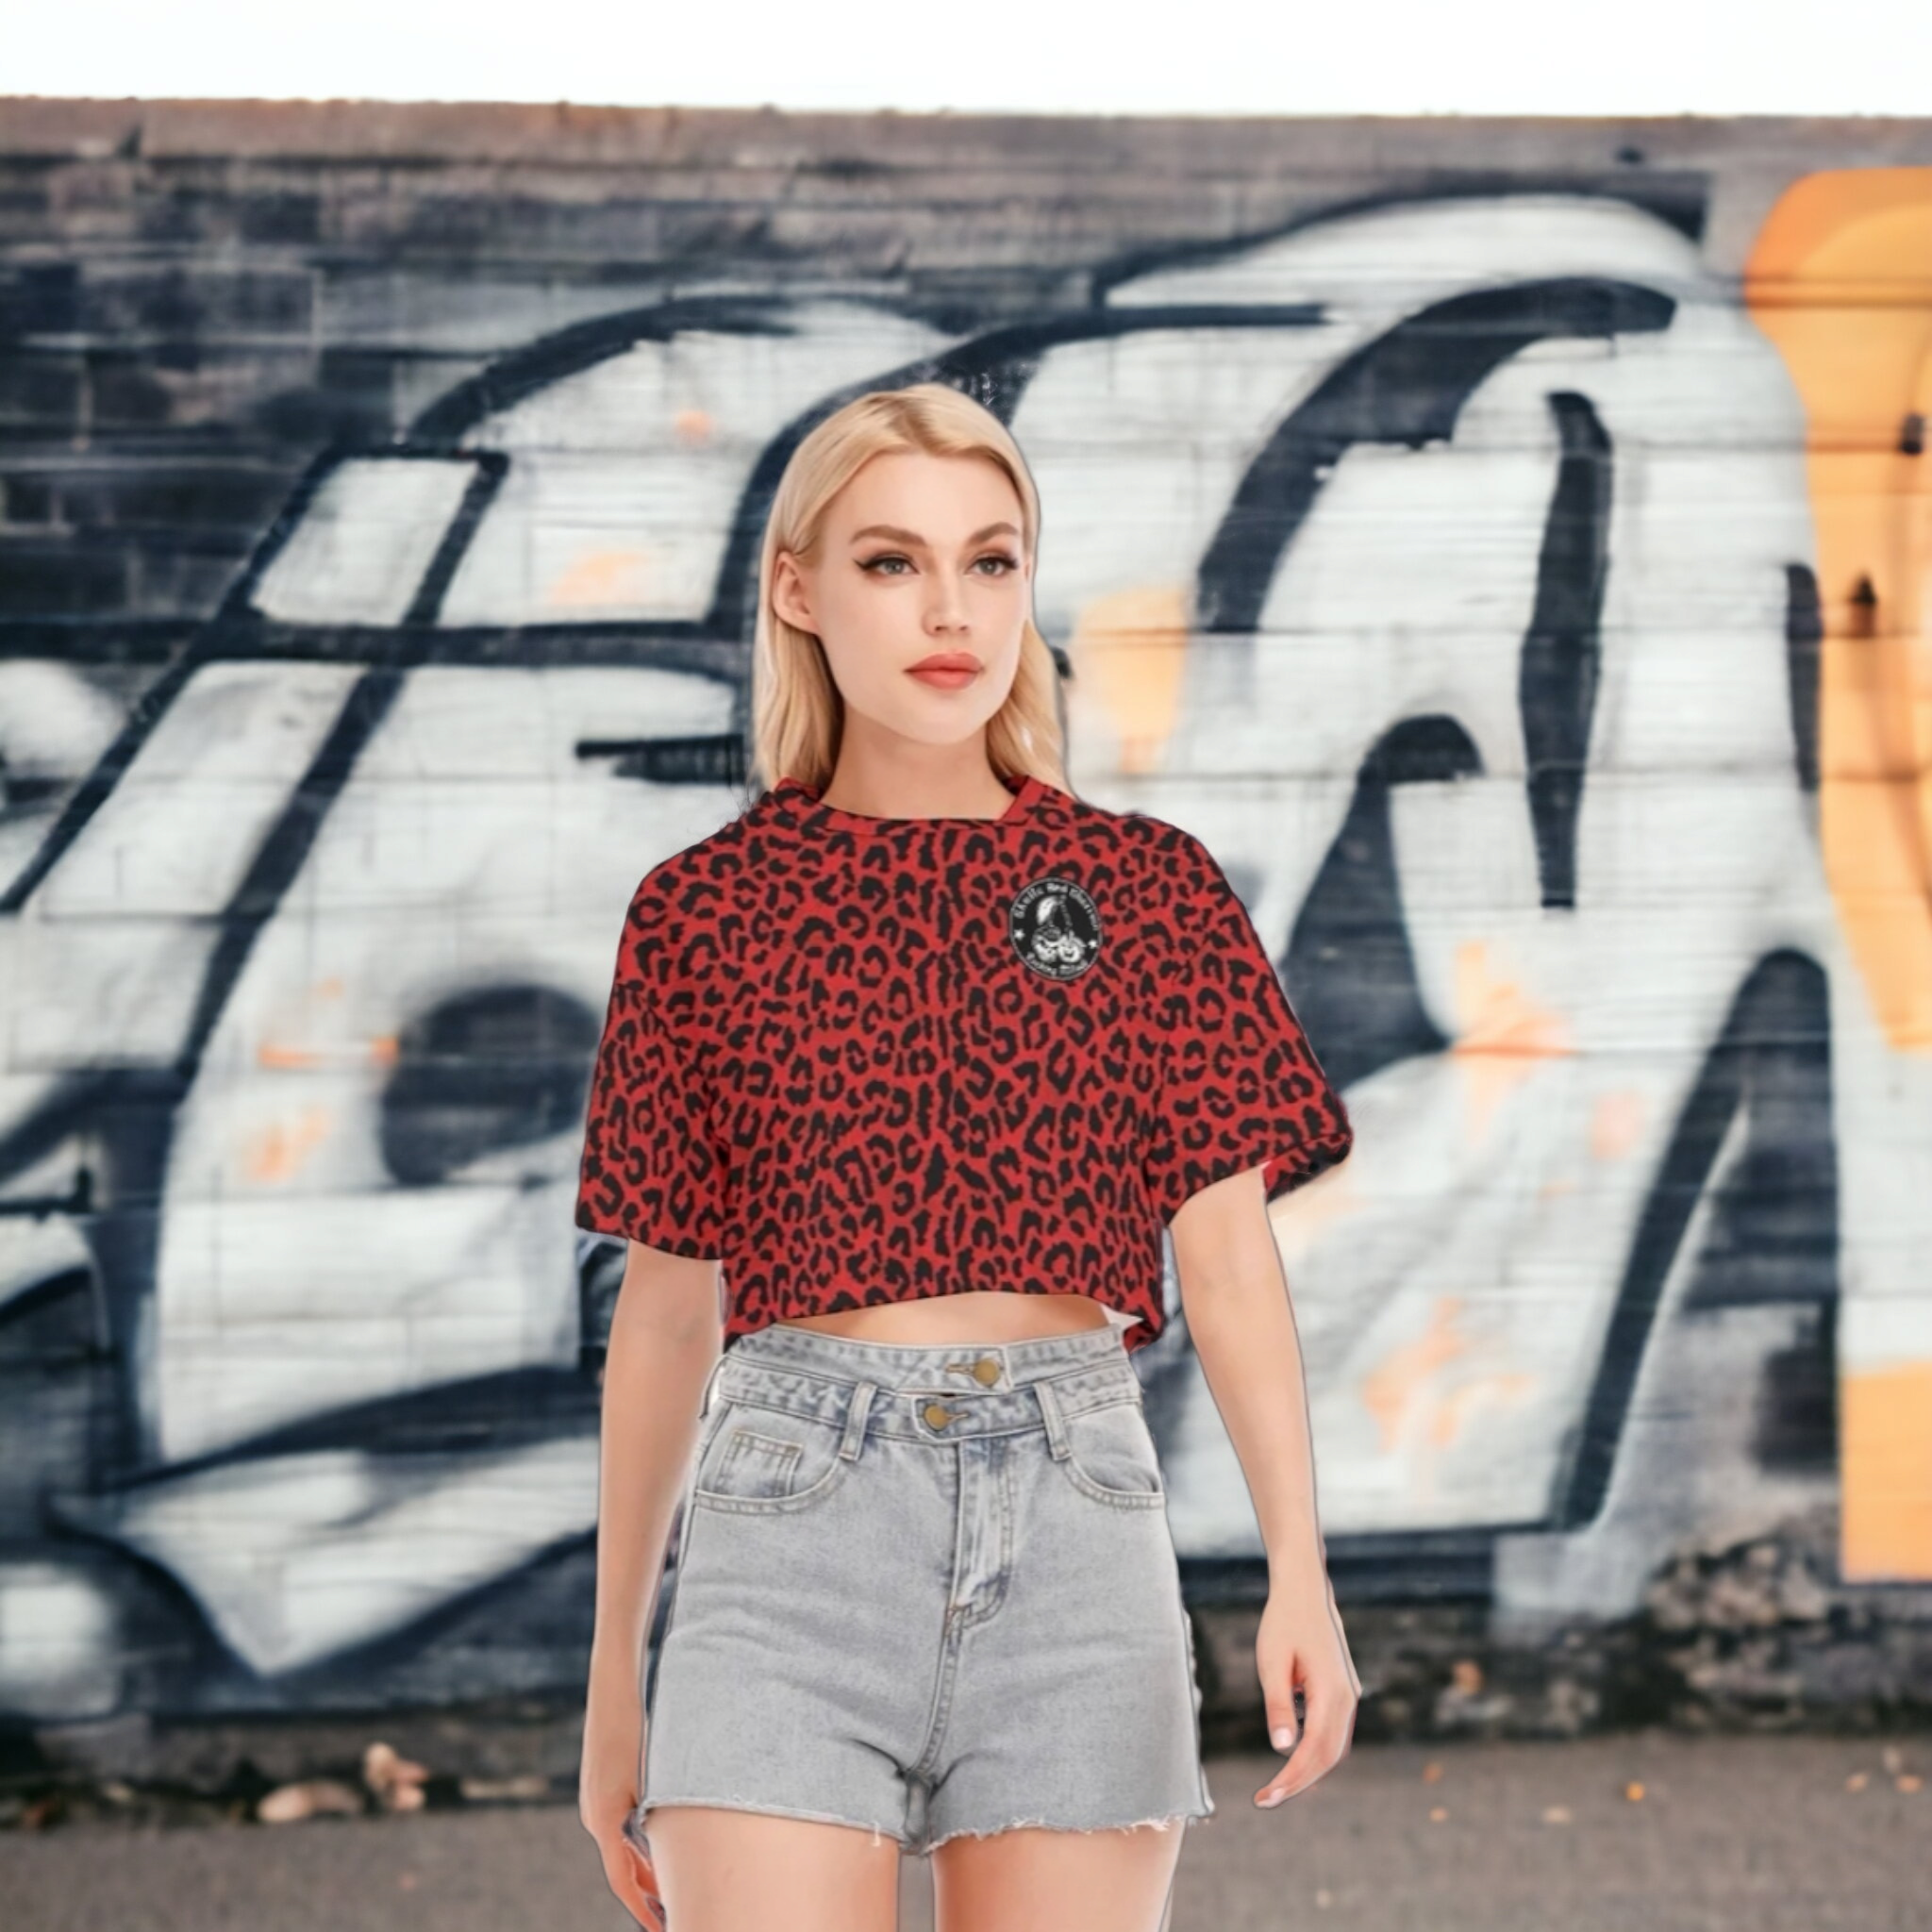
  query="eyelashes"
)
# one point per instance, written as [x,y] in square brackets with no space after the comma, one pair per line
[871,565]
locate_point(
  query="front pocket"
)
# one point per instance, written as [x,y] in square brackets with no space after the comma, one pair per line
[757,1467]
[1110,1456]
[768,1460]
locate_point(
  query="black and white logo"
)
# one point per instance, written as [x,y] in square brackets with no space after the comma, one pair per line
[1055,928]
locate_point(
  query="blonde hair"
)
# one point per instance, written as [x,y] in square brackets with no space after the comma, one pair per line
[797,712]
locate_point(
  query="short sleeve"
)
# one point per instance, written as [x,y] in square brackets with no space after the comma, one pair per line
[653,1169]
[1239,1085]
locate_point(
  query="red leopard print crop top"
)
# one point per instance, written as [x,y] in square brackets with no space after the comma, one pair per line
[867,1059]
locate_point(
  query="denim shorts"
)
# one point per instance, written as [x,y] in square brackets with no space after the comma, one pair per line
[925,1590]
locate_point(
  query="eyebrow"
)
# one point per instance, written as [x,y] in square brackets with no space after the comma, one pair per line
[912,537]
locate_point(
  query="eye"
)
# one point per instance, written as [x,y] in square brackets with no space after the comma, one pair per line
[1003,559]
[871,563]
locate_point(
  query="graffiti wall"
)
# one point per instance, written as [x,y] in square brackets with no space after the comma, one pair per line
[1516,565]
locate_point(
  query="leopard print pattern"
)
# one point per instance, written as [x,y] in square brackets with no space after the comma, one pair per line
[863,1062]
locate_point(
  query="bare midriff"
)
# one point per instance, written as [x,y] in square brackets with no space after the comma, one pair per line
[948,1320]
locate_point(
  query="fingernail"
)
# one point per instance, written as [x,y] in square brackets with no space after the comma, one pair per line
[1283,1738]
[1273,1799]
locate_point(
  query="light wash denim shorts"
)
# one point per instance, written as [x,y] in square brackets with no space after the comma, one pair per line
[925,1590]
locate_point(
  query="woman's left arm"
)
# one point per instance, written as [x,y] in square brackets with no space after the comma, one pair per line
[1242,1327]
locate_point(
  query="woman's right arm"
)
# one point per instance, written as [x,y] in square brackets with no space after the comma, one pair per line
[665,1338]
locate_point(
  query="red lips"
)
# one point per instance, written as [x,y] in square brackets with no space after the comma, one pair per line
[947,660]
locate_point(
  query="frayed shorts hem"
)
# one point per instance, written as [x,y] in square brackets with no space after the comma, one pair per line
[878,1831]
[1164,1822]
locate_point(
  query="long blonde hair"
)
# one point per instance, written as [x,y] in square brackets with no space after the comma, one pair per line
[797,712]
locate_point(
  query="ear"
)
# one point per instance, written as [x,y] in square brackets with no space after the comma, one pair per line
[788,597]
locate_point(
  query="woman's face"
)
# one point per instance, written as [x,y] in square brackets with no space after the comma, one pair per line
[921,556]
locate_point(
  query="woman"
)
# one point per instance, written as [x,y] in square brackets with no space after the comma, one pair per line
[926,1051]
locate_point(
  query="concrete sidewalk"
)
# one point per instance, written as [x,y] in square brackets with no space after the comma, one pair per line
[1774,1834]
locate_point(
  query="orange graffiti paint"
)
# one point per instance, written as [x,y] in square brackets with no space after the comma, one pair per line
[278,1152]
[1129,652]
[1618,1124]
[1840,280]
[1502,1033]
[1885,1444]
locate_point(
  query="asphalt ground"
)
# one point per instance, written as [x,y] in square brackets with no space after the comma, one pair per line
[1658,1831]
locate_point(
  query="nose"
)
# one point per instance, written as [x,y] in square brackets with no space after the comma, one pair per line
[947,609]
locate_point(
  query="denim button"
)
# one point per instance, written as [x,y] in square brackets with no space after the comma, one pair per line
[938,1414]
[986,1370]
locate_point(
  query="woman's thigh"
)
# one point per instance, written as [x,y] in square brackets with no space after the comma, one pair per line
[1031,1879]
[725,1871]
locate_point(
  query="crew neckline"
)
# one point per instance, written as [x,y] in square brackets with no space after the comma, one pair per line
[811,811]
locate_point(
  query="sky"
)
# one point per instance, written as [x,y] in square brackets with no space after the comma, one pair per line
[1049,57]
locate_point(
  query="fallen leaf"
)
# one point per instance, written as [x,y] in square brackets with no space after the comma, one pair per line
[1436,1813]
[397,1780]
[484,1789]
[1908,1781]
[1857,1781]
[1556,1814]
[310,1798]
[1634,1791]
[1432,1773]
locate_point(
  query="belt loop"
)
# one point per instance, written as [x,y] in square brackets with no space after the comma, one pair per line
[854,1439]
[1055,1422]
[710,1383]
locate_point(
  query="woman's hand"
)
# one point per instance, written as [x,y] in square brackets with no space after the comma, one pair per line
[1301,1644]
[606,1804]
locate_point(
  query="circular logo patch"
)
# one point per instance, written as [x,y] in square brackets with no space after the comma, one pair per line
[1055,928]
